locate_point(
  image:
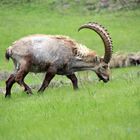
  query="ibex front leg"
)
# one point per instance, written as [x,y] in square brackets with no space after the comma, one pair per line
[74,80]
[48,77]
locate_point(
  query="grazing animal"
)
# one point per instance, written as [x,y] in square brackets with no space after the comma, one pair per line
[56,54]
[120,59]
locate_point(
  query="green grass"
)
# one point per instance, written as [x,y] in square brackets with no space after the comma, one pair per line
[96,111]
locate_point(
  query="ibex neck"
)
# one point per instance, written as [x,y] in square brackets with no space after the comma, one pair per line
[80,65]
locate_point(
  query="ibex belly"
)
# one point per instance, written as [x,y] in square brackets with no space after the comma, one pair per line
[48,54]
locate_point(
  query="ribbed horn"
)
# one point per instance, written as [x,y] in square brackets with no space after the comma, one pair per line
[102,32]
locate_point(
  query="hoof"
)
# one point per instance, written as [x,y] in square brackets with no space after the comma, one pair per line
[7,95]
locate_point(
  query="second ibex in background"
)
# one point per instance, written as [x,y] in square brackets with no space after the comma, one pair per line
[56,54]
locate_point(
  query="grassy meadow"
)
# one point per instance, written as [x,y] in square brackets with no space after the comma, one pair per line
[96,111]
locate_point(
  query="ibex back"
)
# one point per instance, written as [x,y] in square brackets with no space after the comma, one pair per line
[55,54]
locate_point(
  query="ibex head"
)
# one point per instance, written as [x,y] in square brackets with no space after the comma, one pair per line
[101,64]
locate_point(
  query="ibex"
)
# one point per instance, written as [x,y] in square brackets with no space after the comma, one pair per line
[121,59]
[56,54]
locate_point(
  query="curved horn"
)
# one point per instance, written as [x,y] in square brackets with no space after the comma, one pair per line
[102,32]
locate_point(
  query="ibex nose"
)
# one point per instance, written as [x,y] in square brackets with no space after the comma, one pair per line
[106,80]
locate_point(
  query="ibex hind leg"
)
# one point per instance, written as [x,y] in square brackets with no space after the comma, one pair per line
[27,89]
[19,78]
[11,80]
[9,84]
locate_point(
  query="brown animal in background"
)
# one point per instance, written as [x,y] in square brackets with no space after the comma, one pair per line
[55,54]
[121,59]
[134,59]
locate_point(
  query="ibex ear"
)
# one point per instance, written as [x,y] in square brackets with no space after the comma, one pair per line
[101,59]
[78,58]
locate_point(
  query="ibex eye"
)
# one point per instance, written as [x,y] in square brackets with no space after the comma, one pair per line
[105,66]
[96,59]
